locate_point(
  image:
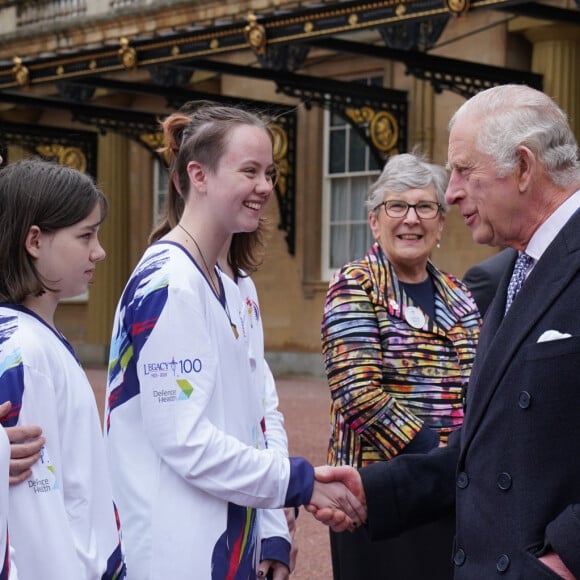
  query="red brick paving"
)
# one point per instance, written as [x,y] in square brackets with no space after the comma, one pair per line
[305,404]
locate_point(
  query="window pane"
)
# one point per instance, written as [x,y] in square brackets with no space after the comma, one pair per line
[336,158]
[160,184]
[339,200]
[338,246]
[360,240]
[336,120]
[374,165]
[359,188]
[357,152]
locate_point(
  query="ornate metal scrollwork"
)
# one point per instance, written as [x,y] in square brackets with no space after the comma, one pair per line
[284,131]
[384,132]
[284,57]
[420,35]
[70,156]
[152,140]
[76,149]
[382,126]
[75,91]
[167,75]
[280,152]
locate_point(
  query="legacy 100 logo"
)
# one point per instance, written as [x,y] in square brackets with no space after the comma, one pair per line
[184,366]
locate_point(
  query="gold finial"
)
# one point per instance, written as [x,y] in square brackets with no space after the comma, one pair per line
[255,35]
[127,54]
[21,72]
[457,7]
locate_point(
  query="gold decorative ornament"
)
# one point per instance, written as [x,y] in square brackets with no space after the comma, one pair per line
[21,72]
[280,153]
[127,54]
[69,156]
[308,27]
[280,148]
[353,19]
[59,70]
[92,64]
[255,35]
[214,43]
[153,141]
[175,50]
[362,115]
[384,131]
[457,7]
[400,10]
[283,171]
[383,127]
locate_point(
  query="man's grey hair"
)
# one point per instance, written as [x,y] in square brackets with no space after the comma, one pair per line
[517,115]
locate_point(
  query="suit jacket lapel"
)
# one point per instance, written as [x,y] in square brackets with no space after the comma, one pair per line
[501,337]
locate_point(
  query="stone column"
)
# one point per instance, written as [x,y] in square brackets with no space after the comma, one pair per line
[112,273]
[422,118]
[556,55]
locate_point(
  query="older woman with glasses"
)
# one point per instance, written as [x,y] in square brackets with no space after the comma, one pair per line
[398,339]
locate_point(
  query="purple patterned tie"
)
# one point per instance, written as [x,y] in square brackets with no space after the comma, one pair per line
[521,267]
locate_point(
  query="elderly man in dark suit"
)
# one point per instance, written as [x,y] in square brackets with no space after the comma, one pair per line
[483,278]
[513,471]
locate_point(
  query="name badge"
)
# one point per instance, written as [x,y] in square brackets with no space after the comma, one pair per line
[415,317]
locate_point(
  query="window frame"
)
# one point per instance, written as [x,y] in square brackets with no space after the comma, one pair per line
[326,267]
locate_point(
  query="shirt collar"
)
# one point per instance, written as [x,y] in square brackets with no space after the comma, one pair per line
[546,233]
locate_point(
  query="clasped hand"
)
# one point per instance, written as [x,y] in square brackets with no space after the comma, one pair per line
[338,499]
[25,445]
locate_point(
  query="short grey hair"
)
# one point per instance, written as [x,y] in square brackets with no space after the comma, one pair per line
[517,115]
[408,171]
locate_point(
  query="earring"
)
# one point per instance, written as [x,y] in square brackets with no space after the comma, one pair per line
[438,245]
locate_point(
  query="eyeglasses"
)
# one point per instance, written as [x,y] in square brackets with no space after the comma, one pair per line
[397,208]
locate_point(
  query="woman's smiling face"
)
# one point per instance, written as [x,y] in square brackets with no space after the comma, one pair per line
[409,240]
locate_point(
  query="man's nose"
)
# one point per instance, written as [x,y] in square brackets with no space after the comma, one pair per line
[453,190]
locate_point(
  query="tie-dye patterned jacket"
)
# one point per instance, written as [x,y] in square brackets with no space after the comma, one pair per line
[389,381]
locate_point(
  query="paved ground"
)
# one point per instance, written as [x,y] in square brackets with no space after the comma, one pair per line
[305,404]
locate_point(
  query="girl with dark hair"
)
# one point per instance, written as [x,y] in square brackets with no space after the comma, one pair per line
[62,523]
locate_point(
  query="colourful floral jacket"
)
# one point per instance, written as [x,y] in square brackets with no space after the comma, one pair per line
[390,381]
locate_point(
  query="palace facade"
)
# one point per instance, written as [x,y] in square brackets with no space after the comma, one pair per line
[349,83]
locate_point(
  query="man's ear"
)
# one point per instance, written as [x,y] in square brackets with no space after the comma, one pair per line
[526,169]
[32,241]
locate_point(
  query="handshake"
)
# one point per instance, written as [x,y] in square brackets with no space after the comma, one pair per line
[338,498]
